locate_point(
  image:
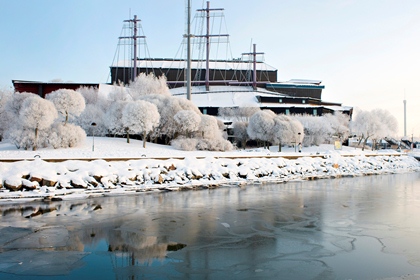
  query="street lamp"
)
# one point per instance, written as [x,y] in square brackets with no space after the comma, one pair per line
[93,133]
[296,140]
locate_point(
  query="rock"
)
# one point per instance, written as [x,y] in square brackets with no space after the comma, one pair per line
[77,186]
[172,167]
[29,185]
[13,186]
[48,183]
[159,179]
[97,178]
[35,179]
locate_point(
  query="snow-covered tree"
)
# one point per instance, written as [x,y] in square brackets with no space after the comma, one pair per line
[234,114]
[240,132]
[119,93]
[69,103]
[148,84]
[92,97]
[374,125]
[339,124]
[113,118]
[92,114]
[140,117]
[261,125]
[316,129]
[187,121]
[281,130]
[37,114]
[5,116]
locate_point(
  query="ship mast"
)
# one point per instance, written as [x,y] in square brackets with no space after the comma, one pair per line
[188,50]
[207,36]
[254,64]
[134,38]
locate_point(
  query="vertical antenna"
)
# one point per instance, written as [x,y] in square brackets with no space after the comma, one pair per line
[405,116]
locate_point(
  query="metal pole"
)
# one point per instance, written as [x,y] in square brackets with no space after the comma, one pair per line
[93,134]
[254,74]
[189,51]
[135,47]
[208,47]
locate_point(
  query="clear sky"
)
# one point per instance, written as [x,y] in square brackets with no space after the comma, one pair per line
[366,52]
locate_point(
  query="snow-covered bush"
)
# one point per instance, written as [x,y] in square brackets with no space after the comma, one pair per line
[66,135]
[187,121]
[216,144]
[140,117]
[69,103]
[185,144]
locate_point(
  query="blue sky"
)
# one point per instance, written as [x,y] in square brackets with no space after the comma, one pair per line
[367,53]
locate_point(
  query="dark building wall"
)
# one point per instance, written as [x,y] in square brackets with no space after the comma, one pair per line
[43,89]
[176,77]
[314,92]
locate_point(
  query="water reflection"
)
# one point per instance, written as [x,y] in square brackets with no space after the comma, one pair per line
[299,230]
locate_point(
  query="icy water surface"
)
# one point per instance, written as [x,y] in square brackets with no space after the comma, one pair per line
[350,228]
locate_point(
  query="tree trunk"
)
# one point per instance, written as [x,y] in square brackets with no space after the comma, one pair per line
[128,136]
[279,146]
[36,139]
[144,139]
[364,144]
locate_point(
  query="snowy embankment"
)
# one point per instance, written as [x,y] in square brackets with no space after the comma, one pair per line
[71,179]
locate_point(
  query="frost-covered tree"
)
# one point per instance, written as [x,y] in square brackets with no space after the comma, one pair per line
[113,118]
[148,84]
[389,123]
[261,125]
[339,124]
[92,114]
[5,116]
[69,103]
[240,132]
[119,93]
[374,125]
[316,129]
[37,114]
[187,121]
[234,114]
[92,97]
[281,131]
[140,117]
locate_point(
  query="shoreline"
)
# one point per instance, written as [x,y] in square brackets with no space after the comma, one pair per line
[40,180]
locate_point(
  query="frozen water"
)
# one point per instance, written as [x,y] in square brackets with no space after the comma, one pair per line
[350,228]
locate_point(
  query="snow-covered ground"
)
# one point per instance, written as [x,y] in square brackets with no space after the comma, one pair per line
[115,167]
